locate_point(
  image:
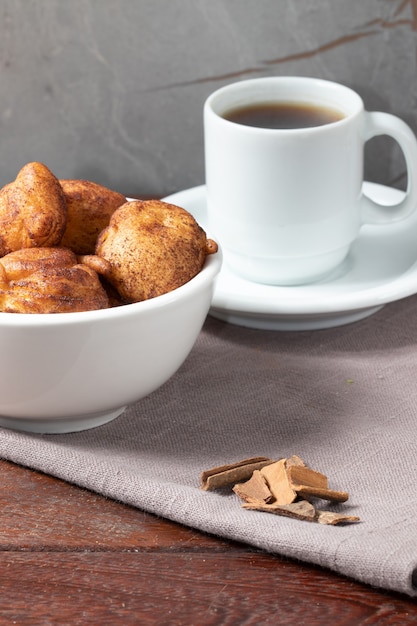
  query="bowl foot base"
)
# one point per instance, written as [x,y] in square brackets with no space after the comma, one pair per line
[55,426]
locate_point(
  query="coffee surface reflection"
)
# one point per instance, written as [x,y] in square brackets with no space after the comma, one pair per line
[284,115]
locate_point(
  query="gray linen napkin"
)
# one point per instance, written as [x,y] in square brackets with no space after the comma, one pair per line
[344,399]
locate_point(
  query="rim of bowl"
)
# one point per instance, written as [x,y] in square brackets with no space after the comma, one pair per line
[206,275]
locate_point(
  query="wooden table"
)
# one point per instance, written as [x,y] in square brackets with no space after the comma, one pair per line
[69,556]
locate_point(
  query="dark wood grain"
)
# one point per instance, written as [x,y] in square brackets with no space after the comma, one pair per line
[69,556]
[40,512]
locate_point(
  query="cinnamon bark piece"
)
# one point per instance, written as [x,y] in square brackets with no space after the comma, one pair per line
[329,517]
[310,483]
[255,490]
[305,476]
[294,460]
[230,474]
[323,494]
[301,509]
[278,482]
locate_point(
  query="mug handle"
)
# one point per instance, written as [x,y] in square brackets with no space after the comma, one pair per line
[377,123]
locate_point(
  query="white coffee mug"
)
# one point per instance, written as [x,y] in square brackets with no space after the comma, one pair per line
[286,204]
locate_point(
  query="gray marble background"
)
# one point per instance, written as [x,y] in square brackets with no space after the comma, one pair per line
[113,90]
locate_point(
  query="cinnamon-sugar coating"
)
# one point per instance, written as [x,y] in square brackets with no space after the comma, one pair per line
[33,210]
[48,280]
[89,207]
[153,247]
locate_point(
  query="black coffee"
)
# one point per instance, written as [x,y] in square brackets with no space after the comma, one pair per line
[282,115]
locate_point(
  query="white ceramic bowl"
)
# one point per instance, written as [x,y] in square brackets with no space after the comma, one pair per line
[72,371]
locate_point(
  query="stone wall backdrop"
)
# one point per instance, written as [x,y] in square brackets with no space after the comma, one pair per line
[113,90]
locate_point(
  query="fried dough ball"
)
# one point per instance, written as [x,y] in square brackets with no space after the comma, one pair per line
[33,211]
[90,207]
[48,280]
[153,247]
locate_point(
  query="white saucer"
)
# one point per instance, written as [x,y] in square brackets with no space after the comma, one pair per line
[381,268]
